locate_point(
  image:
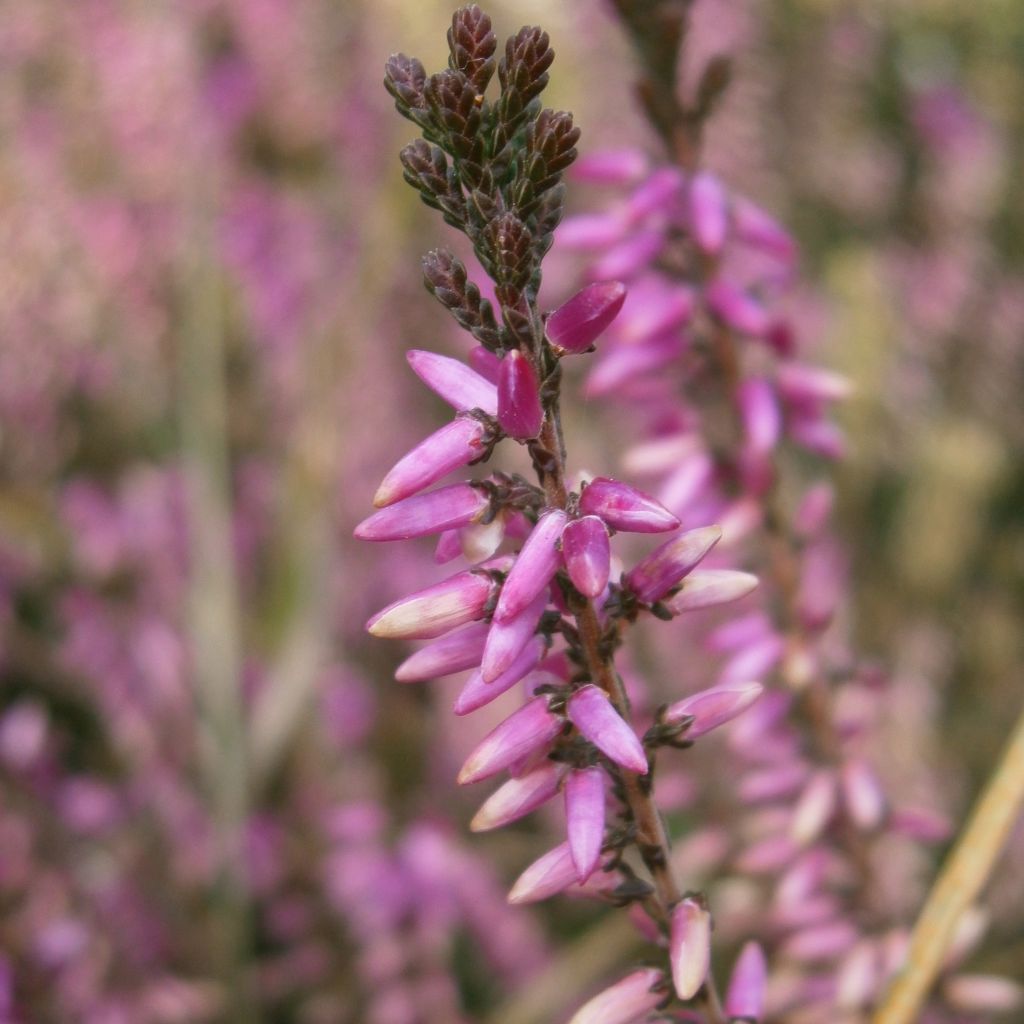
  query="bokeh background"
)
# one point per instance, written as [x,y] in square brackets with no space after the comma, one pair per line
[215,803]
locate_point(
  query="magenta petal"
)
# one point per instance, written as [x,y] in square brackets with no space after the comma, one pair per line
[455,382]
[762,421]
[709,213]
[488,365]
[745,997]
[710,587]
[449,547]
[544,877]
[477,692]
[625,1002]
[587,554]
[758,228]
[584,816]
[530,728]
[654,576]
[444,509]
[689,947]
[736,308]
[454,445]
[518,797]
[452,653]
[590,710]
[519,410]
[713,707]
[610,166]
[535,566]
[576,325]
[440,608]
[506,639]
[625,508]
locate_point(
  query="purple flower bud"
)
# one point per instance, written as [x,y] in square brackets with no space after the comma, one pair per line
[772,783]
[818,435]
[518,797]
[815,808]
[477,692]
[546,876]
[535,566]
[454,445]
[591,230]
[625,508]
[448,547]
[756,659]
[709,213]
[455,382]
[745,996]
[710,587]
[628,362]
[587,555]
[757,228]
[629,256]
[736,308]
[713,707]
[519,410]
[443,509]
[452,653]
[814,510]
[922,825]
[857,977]
[584,816]
[530,728]
[576,324]
[488,366]
[819,943]
[983,993]
[626,1001]
[659,191]
[809,386]
[506,639]
[762,423]
[664,568]
[689,947]
[440,608]
[610,166]
[591,711]
[862,794]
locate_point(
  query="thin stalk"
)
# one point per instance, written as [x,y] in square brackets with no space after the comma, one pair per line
[962,878]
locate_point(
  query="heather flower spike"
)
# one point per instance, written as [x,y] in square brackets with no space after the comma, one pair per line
[625,508]
[591,711]
[584,816]
[578,323]
[689,948]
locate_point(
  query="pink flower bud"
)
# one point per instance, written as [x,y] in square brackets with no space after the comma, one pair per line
[534,568]
[857,977]
[519,410]
[772,783]
[584,816]
[862,794]
[818,435]
[628,362]
[689,947]
[587,555]
[591,711]
[745,996]
[530,728]
[665,567]
[626,1001]
[983,993]
[440,608]
[762,422]
[477,692]
[448,547]
[625,508]
[589,231]
[815,808]
[610,166]
[814,511]
[455,382]
[658,192]
[714,707]
[709,213]
[452,653]
[488,366]
[518,797]
[805,385]
[546,876]
[757,228]
[454,445]
[629,256]
[736,308]
[708,588]
[506,639]
[443,509]
[822,942]
[576,325]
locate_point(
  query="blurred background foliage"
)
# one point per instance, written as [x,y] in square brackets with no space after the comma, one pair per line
[209,277]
